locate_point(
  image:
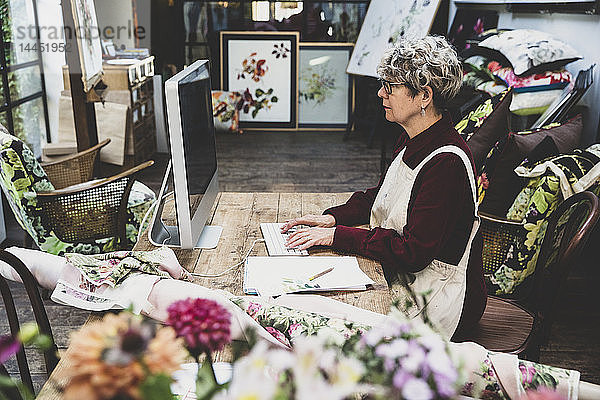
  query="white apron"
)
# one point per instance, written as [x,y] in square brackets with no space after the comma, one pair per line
[444,284]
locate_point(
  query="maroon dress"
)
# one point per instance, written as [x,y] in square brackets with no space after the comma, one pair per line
[440,218]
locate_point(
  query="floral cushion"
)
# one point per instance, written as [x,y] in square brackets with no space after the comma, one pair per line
[542,81]
[22,177]
[225,110]
[533,206]
[531,51]
[503,184]
[485,125]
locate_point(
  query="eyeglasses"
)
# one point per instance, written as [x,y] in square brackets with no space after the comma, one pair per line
[387,85]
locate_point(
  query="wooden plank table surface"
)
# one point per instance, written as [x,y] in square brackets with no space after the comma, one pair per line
[240,215]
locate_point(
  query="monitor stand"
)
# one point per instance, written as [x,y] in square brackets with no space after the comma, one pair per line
[209,238]
[169,236]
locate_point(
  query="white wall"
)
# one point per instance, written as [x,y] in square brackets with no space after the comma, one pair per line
[580,31]
[118,15]
[50,17]
[112,13]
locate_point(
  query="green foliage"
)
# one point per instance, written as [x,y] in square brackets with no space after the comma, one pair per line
[156,387]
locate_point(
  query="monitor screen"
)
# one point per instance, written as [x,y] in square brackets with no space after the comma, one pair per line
[198,133]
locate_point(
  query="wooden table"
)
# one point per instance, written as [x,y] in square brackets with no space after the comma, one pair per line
[240,215]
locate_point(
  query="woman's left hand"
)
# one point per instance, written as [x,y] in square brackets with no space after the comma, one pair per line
[309,237]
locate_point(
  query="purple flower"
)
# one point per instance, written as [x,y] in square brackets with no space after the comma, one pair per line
[467,389]
[8,347]
[400,378]
[527,373]
[389,364]
[445,385]
[204,324]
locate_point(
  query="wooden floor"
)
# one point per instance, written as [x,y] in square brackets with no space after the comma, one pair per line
[323,162]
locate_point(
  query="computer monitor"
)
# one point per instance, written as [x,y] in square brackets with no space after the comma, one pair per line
[193,163]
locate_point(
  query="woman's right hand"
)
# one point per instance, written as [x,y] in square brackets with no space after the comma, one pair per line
[322,221]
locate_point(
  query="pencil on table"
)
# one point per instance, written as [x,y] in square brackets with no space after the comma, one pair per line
[328,270]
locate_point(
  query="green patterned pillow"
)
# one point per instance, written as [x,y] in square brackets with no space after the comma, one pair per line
[485,125]
[533,206]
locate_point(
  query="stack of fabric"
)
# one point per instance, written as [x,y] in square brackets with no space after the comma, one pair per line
[531,62]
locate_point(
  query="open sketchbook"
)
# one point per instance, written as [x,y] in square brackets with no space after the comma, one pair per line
[273,276]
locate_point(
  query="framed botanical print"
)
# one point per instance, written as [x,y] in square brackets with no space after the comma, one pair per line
[325,90]
[88,42]
[263,67]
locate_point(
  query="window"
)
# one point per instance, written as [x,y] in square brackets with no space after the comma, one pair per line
[23,106]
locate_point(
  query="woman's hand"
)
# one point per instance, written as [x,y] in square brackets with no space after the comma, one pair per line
[309,237]
[321,221]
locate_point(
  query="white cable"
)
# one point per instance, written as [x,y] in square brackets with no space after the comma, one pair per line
[148,212]
[230,268]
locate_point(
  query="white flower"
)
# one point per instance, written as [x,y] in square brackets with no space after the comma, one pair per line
[255,361]
[372,337]
[416,389]
[331,336]
[280,360]
[440,363]
[317,389]
[393,350]
[347,374]
[412,362]
[252,387]
[308,351]
[327,361]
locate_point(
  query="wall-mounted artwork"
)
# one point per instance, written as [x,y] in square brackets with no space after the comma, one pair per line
[324,85]
[88,42]
[386,22]
[263,67]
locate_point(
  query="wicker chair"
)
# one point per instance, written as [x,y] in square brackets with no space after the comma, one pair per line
[89,217]
[41,318]
[512,328]
[74,169]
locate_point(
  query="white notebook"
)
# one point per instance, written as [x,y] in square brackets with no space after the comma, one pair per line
[273,276]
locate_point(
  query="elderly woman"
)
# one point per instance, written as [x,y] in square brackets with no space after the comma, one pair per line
[423,214]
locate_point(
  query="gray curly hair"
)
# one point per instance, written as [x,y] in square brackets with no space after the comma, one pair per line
[428,61]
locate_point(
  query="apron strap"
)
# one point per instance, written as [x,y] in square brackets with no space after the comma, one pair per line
[466,161]
[471,176]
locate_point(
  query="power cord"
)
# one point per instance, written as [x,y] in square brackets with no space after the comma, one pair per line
[230,268]
[209,276]
[148,213]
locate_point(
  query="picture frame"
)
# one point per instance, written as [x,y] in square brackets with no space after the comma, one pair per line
[88,42]
[387,22]
[263,67]
[323,84]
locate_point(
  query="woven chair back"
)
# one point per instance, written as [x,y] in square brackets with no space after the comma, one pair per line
[568,230]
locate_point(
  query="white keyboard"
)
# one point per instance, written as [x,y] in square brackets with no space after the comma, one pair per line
[275,240]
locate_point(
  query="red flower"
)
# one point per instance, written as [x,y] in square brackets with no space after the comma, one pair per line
[204,324]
